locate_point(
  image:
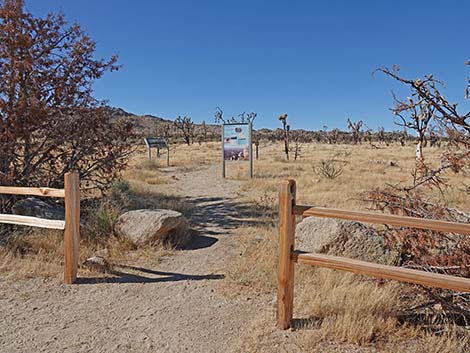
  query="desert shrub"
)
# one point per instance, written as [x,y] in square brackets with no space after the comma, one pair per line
[330,167]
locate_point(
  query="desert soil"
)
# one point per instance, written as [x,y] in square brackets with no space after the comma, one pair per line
[175,304]
[171,305]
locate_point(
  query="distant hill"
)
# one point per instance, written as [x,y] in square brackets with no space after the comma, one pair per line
[149,125]
[154,126]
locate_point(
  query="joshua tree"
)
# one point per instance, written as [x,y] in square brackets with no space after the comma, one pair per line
[186,126]
[256,143]
[204,130]
[163,130]
[286,129]
[355,129]
[242,118]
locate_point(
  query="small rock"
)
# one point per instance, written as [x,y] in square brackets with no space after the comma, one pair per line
[34,207]
[98,264]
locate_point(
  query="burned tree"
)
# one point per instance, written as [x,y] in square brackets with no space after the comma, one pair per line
[186,126]
[164,130]
[286,129]
[297,148]
[333,136]
[241,119]
[50,123]
[204,131]
[256,143]
[418,111]
[430,250]
[355,130]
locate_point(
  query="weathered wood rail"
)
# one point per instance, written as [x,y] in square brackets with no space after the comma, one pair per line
[71,224]
[288,256]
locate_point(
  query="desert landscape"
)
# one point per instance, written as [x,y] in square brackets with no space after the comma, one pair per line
[219,291]
[232,230]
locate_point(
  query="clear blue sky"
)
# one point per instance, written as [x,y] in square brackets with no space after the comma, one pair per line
[310,59]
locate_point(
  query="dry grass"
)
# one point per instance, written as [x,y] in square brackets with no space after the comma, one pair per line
[30,253]
[357,315]
[338,307]
[365,168]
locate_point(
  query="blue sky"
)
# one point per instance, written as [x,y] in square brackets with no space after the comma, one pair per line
[310,59]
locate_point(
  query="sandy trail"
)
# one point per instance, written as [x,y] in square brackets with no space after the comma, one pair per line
[172,306]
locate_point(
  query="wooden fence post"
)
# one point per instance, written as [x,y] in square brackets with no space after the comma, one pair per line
[72,226]
[285,291]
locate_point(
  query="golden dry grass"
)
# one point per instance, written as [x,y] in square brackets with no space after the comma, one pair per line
[341,308]
[365,168]
[346,310]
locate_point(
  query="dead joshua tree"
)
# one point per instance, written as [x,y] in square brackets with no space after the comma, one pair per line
[256,143]
[430,250]
[286,129]
[333,136]
[241,119]
[297,149]
[355,129]
[381,135]
[418,111]
[163,130]
[186,126]
[204,131]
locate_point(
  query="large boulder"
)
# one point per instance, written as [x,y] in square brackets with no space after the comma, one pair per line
[165,227]
[35,207]
[341,238]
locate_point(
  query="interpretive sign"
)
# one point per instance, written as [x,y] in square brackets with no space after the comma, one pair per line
[158,143]
[236,144]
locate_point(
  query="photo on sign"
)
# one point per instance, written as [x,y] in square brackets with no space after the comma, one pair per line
[236,142]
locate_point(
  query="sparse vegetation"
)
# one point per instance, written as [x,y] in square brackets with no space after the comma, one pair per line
[330,168]
[50,123]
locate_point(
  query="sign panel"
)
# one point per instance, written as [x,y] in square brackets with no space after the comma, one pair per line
[236,142]
[156,142]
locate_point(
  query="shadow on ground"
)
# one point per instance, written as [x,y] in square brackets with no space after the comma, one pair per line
[132,277]
[218,215]
[210,216]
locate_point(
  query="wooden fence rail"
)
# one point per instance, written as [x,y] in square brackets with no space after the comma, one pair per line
[71,225]
[288,256]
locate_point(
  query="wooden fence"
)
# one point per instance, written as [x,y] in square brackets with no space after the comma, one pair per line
[288,256]
[71,225]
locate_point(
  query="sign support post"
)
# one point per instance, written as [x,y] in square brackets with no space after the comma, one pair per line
[250,149]
[168,154]
[223,151]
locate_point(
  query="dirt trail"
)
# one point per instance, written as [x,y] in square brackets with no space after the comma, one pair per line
[172,306]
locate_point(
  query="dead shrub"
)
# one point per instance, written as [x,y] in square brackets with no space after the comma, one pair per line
[330,167]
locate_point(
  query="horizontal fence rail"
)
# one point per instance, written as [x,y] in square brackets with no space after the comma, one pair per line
[288,256]
[383,271]
[394,220]
[71,224]
[47,192]
[32,221]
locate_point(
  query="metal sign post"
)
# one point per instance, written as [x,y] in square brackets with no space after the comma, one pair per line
[250,148]
[223,150]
